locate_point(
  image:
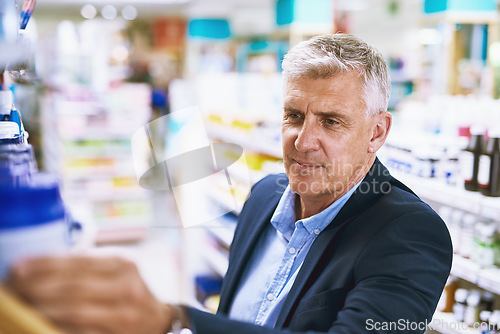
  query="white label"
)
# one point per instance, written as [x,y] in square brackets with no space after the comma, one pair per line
[483,176]
[466,160]
[44,239]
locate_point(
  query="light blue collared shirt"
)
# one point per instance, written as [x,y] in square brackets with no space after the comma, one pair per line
[277,258]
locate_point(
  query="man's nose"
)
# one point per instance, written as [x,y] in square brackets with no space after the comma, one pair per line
[307,139]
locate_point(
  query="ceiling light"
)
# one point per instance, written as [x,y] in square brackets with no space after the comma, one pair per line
[108,12]
[88,11]
[129,12]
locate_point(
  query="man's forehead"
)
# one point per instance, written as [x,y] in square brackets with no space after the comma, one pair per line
[297,102]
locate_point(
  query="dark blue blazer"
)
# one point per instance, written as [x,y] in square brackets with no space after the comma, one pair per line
[379,267]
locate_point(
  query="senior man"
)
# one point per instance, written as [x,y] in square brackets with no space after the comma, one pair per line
[336,245]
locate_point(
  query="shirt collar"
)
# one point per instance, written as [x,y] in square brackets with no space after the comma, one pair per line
[283,218]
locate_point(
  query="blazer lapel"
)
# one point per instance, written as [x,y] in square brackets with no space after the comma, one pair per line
[259,214]
[369,191]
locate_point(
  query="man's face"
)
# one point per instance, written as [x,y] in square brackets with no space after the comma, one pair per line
[326,135]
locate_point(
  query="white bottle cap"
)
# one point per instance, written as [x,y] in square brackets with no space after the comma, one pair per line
[477,130]
[5,100]
[494,132]
[8,129]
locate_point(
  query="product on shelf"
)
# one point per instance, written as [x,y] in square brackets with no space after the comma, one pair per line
[489,169]
[453,219]
[448,297]
[484,318]
[95,158]
[470,157]
[449,167]
[5,104]
[460,304]
[486,303]
[207,286]
[494,321]
[485,238]
[467,235]
[34,219]
[471,314]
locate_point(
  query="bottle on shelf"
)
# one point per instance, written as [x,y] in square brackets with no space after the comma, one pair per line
[467,235]
[471,314]
[489,168]
[448,297]
[5,104]
[449,165]
[494,322]
[460,304]
[483,252]
[469,158]
[485,325]
[34,220]
[17,162]
[455,227]
[486,303]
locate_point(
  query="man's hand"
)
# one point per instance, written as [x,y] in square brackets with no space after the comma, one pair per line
[82,294]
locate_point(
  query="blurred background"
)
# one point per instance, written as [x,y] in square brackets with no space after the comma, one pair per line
[87,75]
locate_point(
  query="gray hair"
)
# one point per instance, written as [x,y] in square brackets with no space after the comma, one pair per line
[325,56]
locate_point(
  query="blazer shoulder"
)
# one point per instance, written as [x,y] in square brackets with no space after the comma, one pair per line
[267,189]
[272,182]
[263,197]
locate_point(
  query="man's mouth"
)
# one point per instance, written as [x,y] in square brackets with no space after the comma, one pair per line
[307,164]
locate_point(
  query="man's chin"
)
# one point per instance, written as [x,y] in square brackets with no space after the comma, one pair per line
[308,185]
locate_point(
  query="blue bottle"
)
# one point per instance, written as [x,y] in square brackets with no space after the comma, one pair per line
[32,220]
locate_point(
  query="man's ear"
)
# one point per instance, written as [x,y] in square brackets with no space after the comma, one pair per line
[381,125]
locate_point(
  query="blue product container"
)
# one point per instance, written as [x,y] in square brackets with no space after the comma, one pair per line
[32,220]
[17,162]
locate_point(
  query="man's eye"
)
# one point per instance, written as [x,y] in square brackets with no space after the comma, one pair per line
[292,116]
[329,121]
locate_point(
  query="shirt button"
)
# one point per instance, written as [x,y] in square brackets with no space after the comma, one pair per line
[270,296]
[316,231]
[291,250]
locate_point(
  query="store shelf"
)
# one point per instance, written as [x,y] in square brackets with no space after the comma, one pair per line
[247,140]
[465,269]
[489,279]
[103,196]
[223,231]
[454,196]
[225,199]
[216,260]
[485,278]
[109,234]
[446,323]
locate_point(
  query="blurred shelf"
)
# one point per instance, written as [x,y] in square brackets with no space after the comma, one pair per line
[465,269]
[454,196]
[489,279]
[103,195]
[104,133]
[225,199]
[124,221]
[216,260]
[485,278]
[120,234]
[224,231]
[247,140]
[76,153]
[96,171]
